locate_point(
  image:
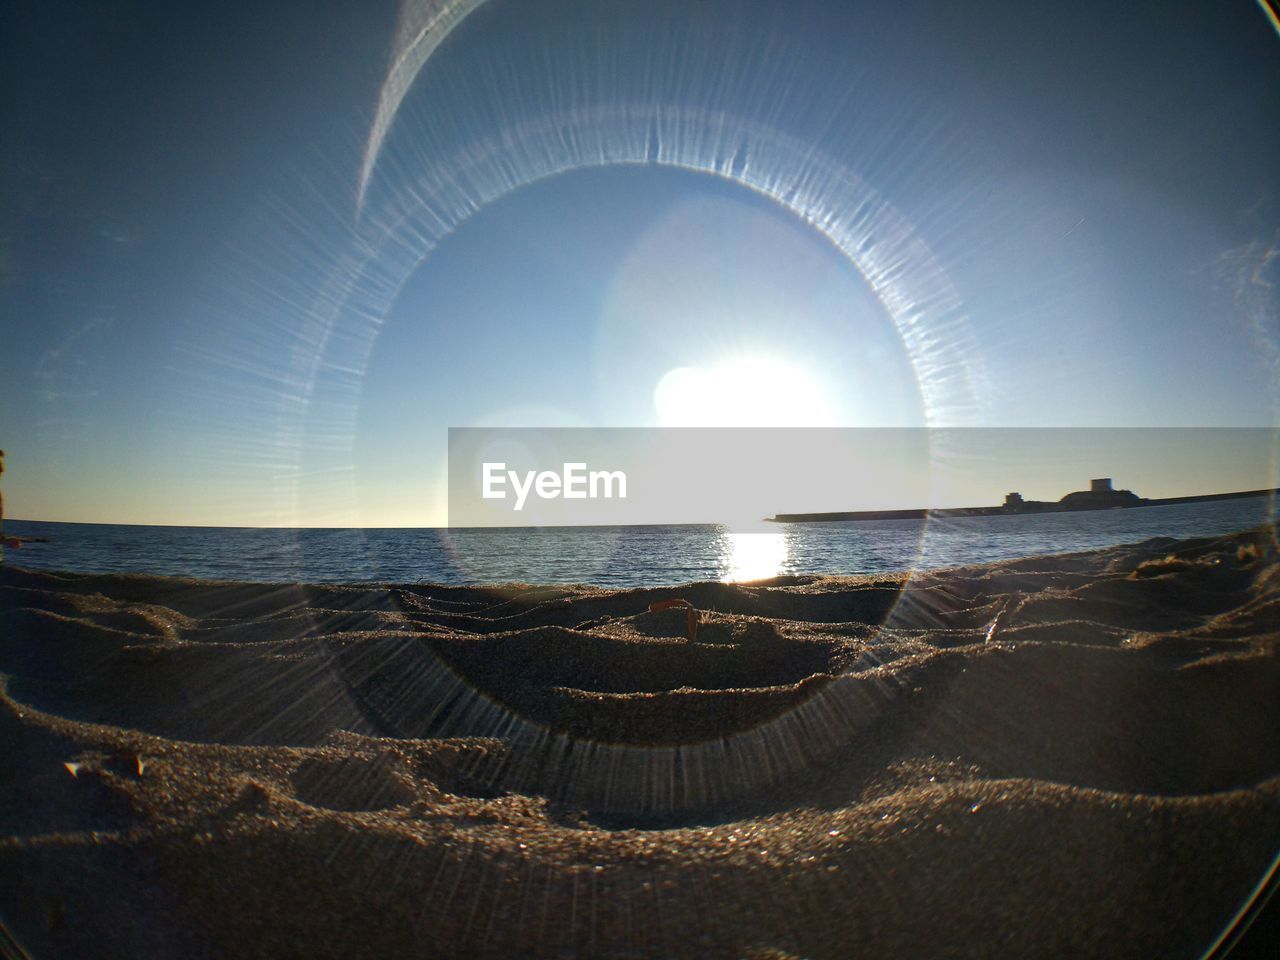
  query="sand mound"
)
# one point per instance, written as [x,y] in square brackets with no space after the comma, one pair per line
[1044,757]
[351,782]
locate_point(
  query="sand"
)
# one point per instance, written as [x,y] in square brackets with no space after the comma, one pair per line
[1072,755]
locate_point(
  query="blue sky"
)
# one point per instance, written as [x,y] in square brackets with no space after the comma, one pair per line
[199,327]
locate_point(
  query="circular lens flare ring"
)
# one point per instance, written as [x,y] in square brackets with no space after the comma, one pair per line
[429,185]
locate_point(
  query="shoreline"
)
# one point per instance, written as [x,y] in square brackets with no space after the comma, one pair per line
[1038,509]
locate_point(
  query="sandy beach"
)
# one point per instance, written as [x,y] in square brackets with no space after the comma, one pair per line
[1055,756]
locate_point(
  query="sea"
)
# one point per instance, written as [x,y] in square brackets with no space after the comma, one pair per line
[630,556]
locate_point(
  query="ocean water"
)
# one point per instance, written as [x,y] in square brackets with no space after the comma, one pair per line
[609,556]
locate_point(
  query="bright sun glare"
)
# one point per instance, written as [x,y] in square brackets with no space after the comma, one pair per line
[753,556]
[747,392]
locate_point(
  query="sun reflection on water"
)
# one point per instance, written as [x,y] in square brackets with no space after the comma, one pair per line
[753,556]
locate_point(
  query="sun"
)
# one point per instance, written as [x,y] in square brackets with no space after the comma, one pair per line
[756,391]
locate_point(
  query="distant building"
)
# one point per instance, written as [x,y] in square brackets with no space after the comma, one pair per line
[1014,503]
[1099,496]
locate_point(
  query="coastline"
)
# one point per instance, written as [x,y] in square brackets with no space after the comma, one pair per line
[924,513]
[1073,754]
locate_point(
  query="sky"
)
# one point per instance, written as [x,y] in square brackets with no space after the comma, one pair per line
[614,215]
